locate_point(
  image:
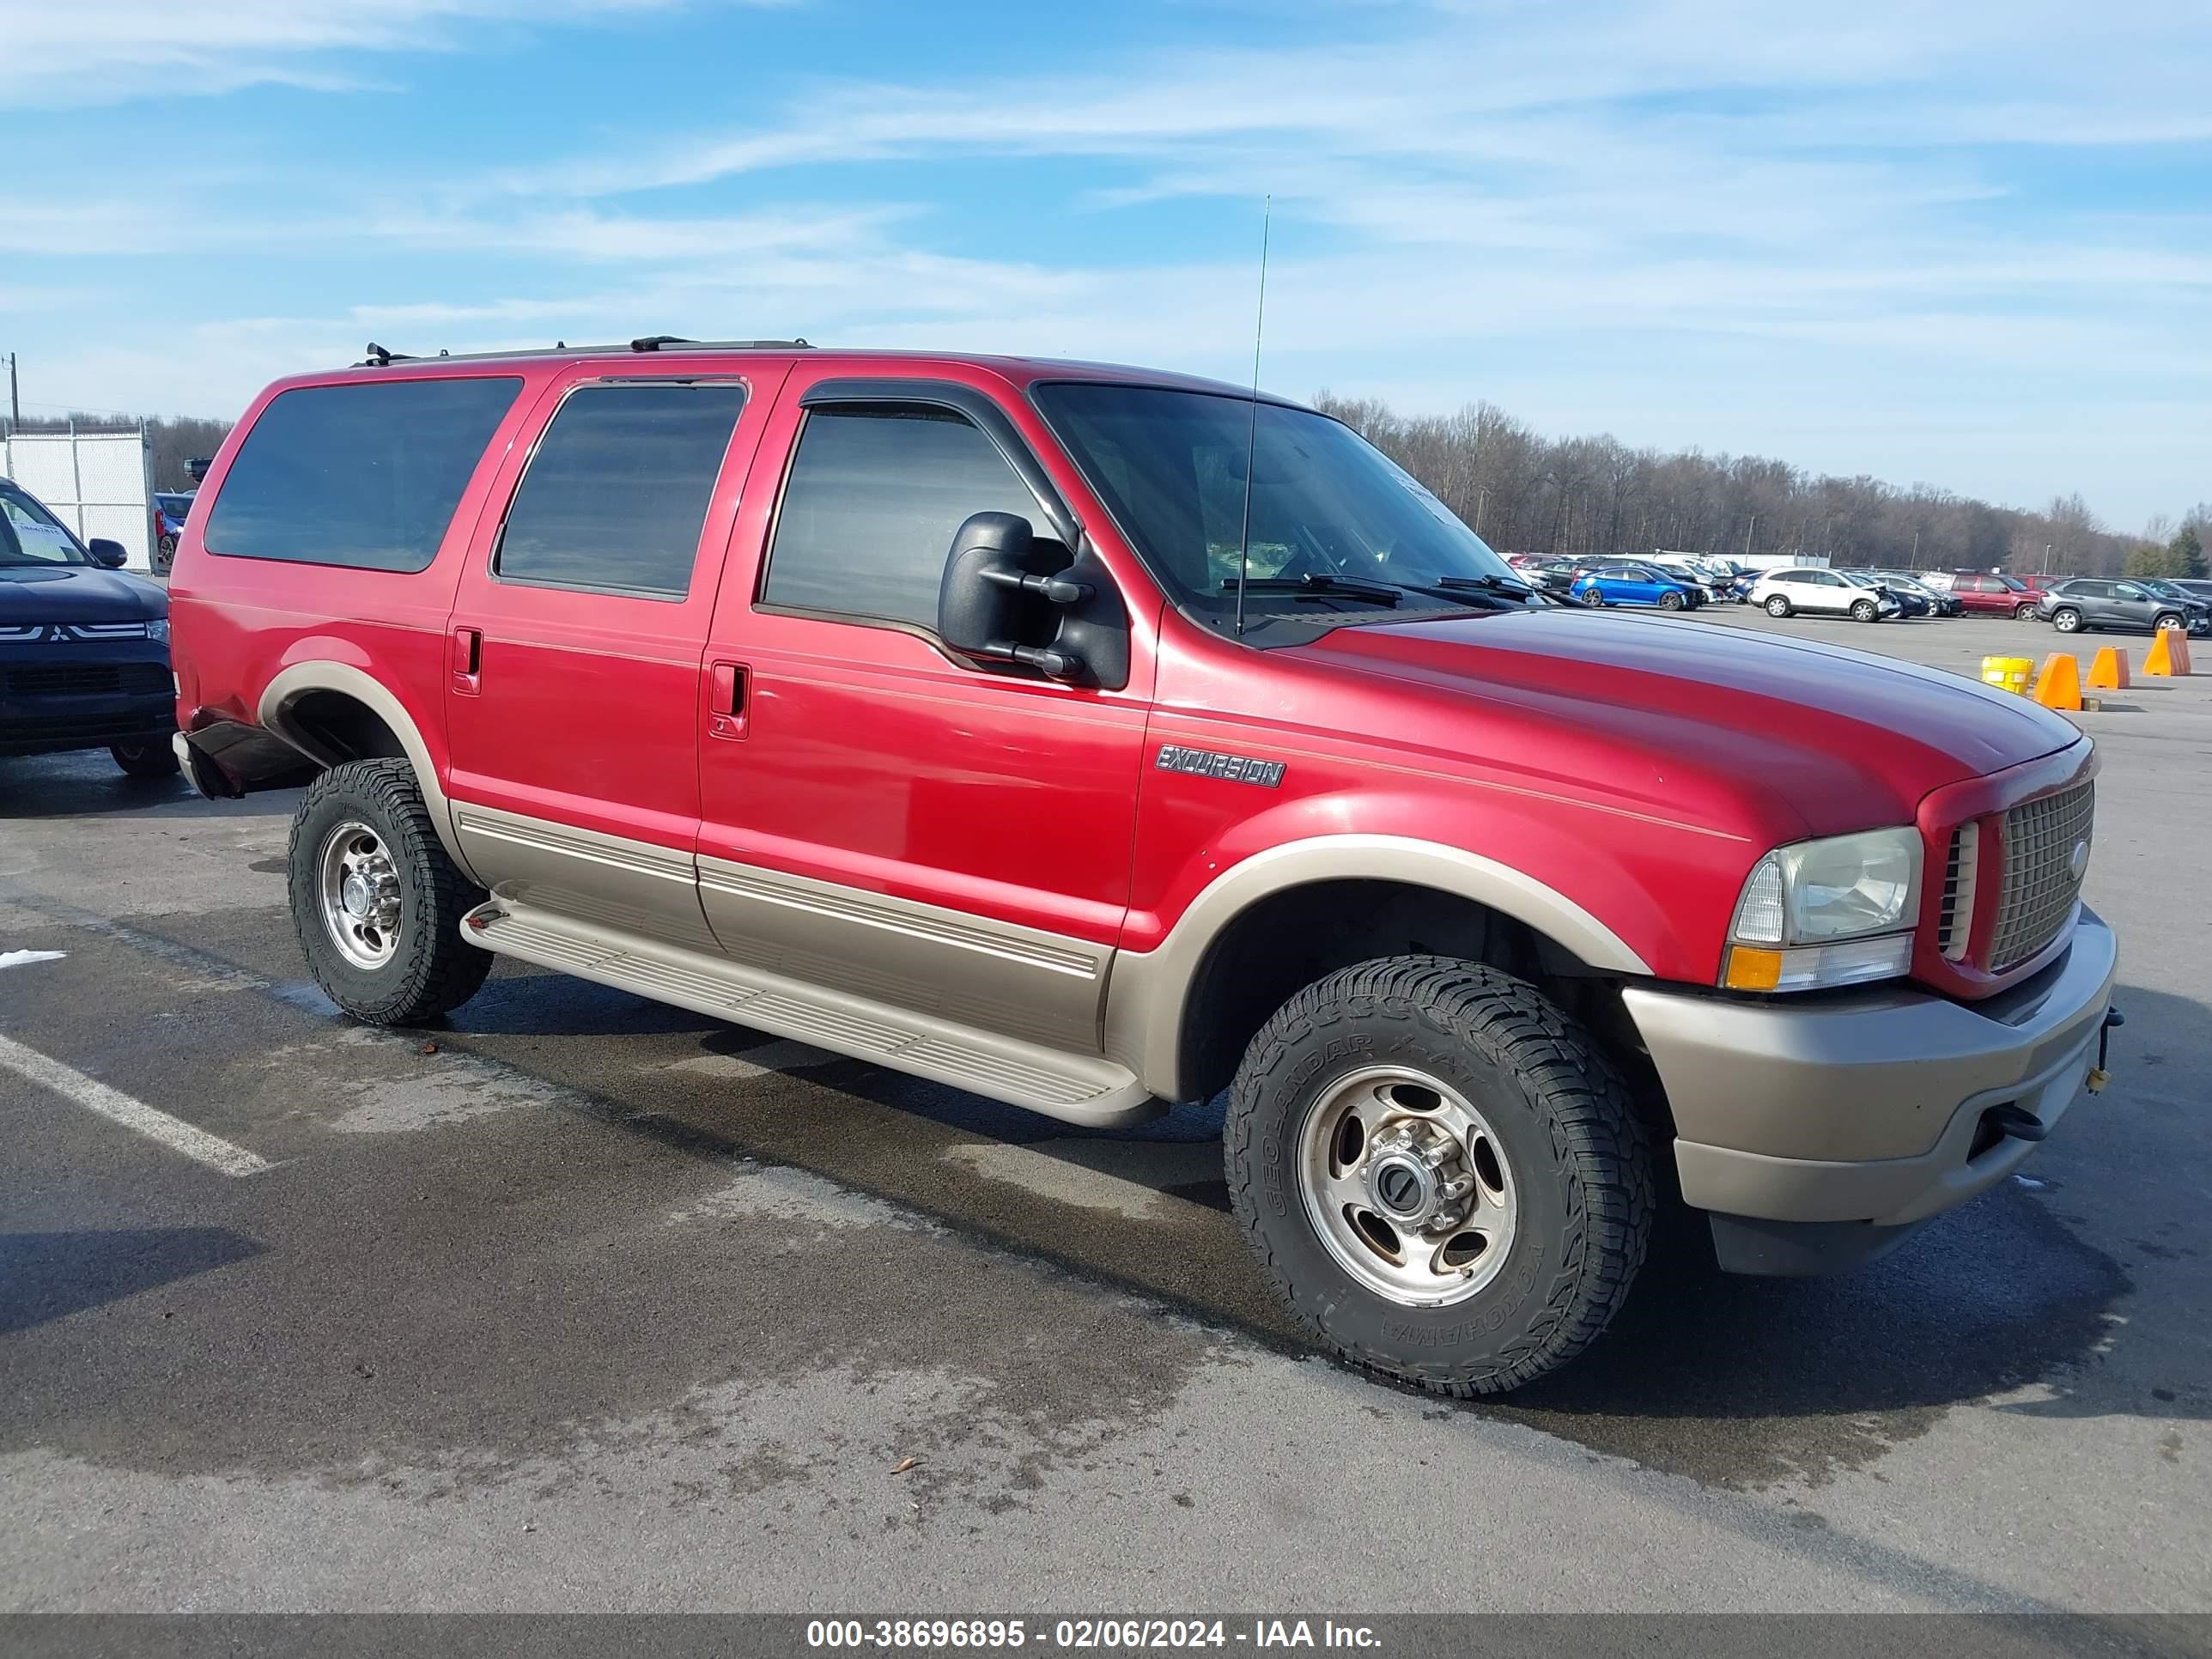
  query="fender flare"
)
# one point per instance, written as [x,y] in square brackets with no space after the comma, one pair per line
[295,680]
[1148,992]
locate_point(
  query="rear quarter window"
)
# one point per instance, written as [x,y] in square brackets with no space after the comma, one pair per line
[365,475]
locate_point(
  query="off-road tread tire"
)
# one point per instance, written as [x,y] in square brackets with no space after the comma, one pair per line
[1578,1098]
[435,970]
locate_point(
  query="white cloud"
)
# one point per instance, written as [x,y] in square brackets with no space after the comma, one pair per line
[66,53]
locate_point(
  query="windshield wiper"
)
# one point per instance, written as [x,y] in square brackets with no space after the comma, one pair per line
[1350,587]
[1496,588]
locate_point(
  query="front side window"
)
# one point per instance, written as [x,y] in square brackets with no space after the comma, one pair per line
[31,535]
[616,494]
[869,511]
[366,474]
[1325,503]
[2128,591]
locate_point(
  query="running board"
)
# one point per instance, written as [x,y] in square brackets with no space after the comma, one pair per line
[1075,1088]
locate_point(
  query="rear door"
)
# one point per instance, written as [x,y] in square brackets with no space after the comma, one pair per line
[575,643]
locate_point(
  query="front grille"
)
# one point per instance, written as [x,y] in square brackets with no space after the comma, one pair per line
[86,679]
[2040,886]
[1954,923]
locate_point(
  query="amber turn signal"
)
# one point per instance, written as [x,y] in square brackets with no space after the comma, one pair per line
[1752,969]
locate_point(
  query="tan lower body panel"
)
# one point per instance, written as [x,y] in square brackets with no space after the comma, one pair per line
[1074,1087]
[1040,988]
[604,881]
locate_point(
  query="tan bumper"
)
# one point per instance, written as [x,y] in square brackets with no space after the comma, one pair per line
[1867,1108]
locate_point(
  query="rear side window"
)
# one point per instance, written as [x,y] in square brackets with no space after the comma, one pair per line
[616,494]
[869,511]
[365,474]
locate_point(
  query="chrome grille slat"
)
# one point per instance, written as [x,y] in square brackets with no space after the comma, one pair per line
[2040,890]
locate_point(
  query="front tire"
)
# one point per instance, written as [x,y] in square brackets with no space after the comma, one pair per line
[1670,601]
[2169,621]
[1865,611]
[1514,1250]
[152,759]
[377,901]
[1778,607]
[2024,613]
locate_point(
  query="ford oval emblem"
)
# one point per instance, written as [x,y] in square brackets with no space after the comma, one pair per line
[2077,861]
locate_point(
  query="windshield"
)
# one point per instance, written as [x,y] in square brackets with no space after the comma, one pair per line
[31,535]
[1327,506]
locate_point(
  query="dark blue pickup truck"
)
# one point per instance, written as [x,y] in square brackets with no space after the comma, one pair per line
[84,648]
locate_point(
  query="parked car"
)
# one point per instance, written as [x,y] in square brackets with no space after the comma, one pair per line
[84,648]
[170,511]
[2200,608]
[1553,575]
[1911,603]
[1614,582]
[2089,602]
[2195,588]
[1817,590]
[1982,595]
[1941,602]
[889,702]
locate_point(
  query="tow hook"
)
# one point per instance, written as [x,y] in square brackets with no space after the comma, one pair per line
[2098,1075]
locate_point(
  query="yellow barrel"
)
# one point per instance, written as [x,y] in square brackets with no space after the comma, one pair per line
[2008,673]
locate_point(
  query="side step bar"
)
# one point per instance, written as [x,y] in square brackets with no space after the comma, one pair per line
[1075,1088]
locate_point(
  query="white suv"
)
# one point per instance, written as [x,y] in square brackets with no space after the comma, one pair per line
[1821,592]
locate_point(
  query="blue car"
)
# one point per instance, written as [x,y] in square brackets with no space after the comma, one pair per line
[1634,583]
[84,647]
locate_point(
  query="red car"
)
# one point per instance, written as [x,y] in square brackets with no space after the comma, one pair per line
[991,718]
[1980,594]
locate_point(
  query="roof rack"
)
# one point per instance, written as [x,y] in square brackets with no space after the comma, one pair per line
[383,357]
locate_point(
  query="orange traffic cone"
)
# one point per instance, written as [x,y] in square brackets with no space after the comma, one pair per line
[2169,653]
[2059,684]
[2108,671]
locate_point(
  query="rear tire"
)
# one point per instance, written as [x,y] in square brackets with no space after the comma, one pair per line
[1526,1108]
[403,960]
[1778,607]
[152,759]
[2066,620]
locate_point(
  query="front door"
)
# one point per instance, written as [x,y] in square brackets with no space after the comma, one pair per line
[577,632]
[878,817]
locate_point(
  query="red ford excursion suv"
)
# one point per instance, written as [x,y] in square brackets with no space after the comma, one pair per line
[1093,739]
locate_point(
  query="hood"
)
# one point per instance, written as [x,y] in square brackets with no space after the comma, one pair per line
[1693,716]
[75,592]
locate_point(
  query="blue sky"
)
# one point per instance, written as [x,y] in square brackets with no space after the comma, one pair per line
[1967,244]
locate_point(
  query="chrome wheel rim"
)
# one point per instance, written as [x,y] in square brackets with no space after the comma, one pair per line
[1407,1186]
[358,889]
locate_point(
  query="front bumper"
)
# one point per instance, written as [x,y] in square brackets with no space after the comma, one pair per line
[1856,1117]
[122,697]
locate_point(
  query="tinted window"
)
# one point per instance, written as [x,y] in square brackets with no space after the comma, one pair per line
[365,475]
[873,499]
[617,490]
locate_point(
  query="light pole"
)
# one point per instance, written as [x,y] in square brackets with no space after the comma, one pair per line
[1915,549]
[2045,569]
[1481,496]
[1747,529]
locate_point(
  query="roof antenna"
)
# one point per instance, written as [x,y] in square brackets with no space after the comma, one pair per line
[1252,430]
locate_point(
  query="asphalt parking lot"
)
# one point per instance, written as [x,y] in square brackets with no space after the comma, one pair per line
[587,1303]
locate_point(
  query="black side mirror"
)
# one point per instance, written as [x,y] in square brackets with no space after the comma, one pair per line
[990,599]
[111,556]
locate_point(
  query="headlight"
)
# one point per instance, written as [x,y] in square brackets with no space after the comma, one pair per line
[1820,913]
[158,629]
